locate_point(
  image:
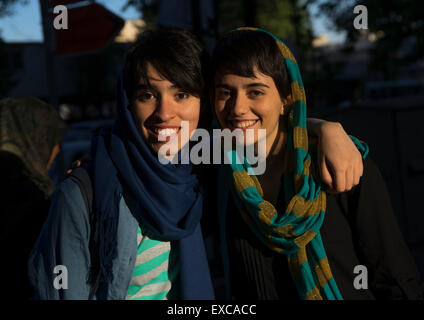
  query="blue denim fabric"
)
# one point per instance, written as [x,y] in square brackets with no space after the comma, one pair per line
[64,241]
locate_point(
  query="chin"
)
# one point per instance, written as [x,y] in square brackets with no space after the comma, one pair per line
[154,147]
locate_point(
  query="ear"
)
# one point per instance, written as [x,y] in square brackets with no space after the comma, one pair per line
[285,103]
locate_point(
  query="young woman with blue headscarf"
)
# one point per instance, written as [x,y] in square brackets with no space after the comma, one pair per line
[150,243]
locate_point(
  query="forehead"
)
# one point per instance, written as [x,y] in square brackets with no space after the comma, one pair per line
[235,79]
[153,76]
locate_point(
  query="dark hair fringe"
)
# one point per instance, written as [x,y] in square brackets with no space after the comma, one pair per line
[240,52]
[178,56]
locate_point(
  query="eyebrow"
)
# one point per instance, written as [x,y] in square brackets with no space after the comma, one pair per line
[153,87]
[250,85]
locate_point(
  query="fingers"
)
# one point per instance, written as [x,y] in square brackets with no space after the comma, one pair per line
[340,171]
[349,178]
[325,174]
[360,170]
[346,179]
[357,173]
[340,180]
[76,164]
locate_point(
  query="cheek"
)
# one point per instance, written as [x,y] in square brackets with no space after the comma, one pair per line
[191,113]
[219,109]
[270,112]
[194,122]
[142,112]
[219,104]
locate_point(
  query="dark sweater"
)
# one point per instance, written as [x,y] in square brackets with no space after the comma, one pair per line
[359,229]
[23,211]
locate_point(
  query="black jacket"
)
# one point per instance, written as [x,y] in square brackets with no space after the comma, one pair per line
[359,229]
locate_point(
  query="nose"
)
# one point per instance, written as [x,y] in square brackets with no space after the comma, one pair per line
[165,109]
[241,105]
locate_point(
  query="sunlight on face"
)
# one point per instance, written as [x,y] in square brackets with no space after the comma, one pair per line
[160,108]
[249,103]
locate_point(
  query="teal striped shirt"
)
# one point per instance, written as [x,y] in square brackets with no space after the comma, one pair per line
[155,275]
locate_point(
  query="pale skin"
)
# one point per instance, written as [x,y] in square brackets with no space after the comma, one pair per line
[163,105]
[255,103]
[343,172]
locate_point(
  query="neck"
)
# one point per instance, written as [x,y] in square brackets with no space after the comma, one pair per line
[271,180]
[276,152]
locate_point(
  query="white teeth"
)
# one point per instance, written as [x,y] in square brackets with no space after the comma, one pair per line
[243,124]
[165,132]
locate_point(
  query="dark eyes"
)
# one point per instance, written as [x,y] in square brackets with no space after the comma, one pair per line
[182,95]
[252,94]
[223,94]
[146,96]
[255,93]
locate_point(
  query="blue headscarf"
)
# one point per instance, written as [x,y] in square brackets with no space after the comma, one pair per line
[169,199]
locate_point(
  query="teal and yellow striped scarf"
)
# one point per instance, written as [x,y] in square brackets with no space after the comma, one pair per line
[295,232]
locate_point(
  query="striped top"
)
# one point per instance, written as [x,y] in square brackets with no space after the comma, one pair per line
[155,272]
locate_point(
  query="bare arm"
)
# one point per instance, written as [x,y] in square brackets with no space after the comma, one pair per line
[340,162]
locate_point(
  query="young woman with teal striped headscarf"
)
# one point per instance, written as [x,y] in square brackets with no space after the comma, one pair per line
[282,235]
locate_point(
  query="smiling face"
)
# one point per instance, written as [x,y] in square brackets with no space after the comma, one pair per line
[249,103]
[159,107]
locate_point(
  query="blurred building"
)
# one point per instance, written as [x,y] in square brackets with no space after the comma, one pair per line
[85,83]
[342,76]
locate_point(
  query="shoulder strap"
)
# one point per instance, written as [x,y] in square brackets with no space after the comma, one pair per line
[82,178]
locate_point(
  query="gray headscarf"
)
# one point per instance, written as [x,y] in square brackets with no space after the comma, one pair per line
[29,129]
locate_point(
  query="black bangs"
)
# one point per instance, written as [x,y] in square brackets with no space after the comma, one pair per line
[174,53]
[239,52]
[178,57]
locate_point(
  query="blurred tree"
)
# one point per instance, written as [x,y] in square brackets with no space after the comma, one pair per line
[6,82]
[148,9]
[396,26]
[7,5]
[287,19]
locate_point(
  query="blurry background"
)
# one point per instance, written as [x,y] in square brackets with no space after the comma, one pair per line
[371,80]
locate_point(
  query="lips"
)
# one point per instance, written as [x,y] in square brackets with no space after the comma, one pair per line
[243,124]
[164,133]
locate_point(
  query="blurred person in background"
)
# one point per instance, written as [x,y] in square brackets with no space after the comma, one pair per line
[30,133]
